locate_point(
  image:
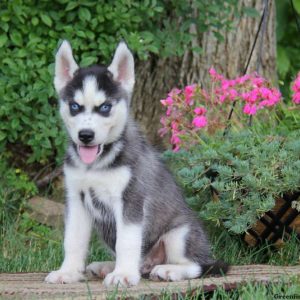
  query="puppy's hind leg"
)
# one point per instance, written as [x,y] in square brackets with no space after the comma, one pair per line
[178,266]
[187,255]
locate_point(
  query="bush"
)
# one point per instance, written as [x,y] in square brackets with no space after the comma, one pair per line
[29,35]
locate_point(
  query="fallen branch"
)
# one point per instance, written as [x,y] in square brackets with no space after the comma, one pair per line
[49,177]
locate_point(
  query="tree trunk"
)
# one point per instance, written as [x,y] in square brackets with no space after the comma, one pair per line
[157,76]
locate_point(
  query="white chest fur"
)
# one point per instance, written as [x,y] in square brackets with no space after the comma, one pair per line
[108,184]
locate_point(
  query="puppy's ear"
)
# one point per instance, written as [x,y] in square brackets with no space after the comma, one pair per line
[65,66]
[122,67]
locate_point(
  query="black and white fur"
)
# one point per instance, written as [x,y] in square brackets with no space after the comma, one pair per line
[126,194]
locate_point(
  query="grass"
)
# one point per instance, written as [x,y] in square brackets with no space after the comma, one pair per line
[27,246]
[239,253]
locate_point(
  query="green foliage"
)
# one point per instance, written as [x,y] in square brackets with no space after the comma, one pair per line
[288,43]
[297,5]
[15,188]
[29,35]
[234,181]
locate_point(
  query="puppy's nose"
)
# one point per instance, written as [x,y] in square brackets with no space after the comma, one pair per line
[86,135]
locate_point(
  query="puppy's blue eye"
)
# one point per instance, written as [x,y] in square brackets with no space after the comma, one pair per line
[104,108]
[75,106]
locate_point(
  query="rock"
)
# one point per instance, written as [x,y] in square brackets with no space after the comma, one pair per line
[46,211]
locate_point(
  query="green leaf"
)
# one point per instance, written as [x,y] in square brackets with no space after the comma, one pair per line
[22,53]
[218,36]
[3,40]
[153,49]
[35,21]
[15,123]
[297,5]
[16,38]
[84,14]
[71,5]
[86,61]
[283,61]
[2,136]
[46,20]
[81,33]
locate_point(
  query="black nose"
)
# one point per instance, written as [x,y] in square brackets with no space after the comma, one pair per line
[86,135]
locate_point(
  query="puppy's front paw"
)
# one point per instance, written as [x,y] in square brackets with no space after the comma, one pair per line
[124,279]
[61,276]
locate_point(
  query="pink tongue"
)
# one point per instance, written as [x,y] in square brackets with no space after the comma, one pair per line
[88,154]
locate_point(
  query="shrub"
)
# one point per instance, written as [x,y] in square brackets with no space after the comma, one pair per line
[29,35]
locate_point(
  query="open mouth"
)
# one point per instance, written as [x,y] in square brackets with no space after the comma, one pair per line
[88,154]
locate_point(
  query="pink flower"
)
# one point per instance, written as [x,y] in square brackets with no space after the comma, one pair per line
[167,102]
[163,102]
[174,125]
[169,111]
[258,81]
[253,96]
[296,98]
[225,84]
[265,92]
[246,96]
[175,139]
[199,121]
[174,92]
[249,110]
[200,110]
[212,72]
[163,121]
[214,75]
[274,97]
[296,90]
[162,131]
[222,98]
[263,103]
[243,79]
[176,149]
[188,93]
[232,94]
[296,86]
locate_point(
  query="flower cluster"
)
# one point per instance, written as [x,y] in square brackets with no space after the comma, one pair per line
[254,91]
[296,90]
[195,108]
[183,117]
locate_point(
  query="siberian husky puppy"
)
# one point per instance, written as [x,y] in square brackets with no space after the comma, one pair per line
[116,182]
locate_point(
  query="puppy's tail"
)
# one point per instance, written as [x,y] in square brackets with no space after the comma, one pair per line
[216,268]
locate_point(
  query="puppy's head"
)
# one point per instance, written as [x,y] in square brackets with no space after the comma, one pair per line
[94,101]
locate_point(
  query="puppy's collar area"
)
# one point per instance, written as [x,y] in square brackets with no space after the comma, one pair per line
[88,154]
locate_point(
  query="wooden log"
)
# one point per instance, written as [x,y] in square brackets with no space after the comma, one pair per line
[276,224]
[32,285]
